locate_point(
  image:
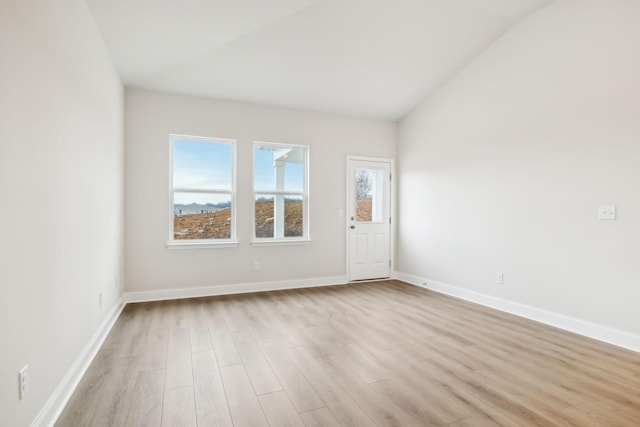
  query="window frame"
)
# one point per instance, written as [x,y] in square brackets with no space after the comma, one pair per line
[232,241]
[306,229]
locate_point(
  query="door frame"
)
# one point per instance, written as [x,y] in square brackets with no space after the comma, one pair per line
[392,212]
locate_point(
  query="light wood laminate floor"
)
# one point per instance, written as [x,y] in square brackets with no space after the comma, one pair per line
[369,354]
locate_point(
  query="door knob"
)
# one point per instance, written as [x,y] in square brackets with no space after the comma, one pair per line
[353,226]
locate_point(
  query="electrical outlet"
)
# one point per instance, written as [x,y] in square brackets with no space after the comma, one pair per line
[23,382]
[256,266]
[607,212]
[500,278]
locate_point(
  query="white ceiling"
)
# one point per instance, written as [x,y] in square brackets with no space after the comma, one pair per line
[365,58]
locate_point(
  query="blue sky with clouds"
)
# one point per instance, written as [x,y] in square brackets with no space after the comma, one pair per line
[205,165]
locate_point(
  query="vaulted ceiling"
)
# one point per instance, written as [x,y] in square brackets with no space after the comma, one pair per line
[365,58]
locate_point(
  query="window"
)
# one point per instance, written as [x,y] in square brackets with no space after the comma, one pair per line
[280,182]
[202,191]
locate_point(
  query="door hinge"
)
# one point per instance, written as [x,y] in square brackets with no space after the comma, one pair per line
[389,220]
[389,263]
[389,177]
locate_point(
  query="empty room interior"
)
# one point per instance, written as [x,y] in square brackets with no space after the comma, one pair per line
[320,213]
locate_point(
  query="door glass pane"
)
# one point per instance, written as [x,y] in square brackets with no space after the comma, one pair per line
[369,194]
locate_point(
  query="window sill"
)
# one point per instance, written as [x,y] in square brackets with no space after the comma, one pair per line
[282,242]
[208,244]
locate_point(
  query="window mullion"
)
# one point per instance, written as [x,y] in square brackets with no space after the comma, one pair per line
[201,190]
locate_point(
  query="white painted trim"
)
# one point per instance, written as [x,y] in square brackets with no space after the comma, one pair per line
[50,412]
[588,329]
[239,288]
[205,244]
[281,242]
[54,406]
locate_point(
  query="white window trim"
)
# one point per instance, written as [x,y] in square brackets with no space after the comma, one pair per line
[281,242]
[203,243]
[306,200]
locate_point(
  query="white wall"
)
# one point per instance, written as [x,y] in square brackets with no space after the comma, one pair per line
[151,117]
[61,169]
[504,168]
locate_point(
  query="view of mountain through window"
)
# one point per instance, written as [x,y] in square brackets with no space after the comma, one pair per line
[202,188]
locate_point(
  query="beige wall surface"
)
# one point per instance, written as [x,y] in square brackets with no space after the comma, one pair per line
[504,168]
[152,116]
[61,169]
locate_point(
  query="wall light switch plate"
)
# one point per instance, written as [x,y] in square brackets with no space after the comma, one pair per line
[607,212]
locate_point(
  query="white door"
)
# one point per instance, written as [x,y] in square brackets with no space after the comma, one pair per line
[369,214]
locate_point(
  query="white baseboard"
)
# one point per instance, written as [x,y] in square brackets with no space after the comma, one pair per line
[602,333]
[240,288]
[56,403]
[61,395]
